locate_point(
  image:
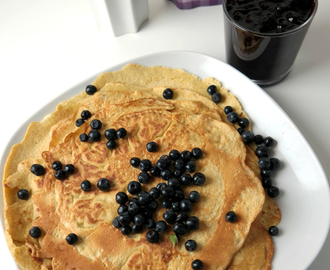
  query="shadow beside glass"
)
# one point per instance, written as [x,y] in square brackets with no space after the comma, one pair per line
[265,58]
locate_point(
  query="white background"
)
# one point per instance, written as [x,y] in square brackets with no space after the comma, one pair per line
[47,46]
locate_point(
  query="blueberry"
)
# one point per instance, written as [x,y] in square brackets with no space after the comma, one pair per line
[178,195]
[121,133]
[136,228]
[197,153]
[161,226]
[133,187]
[231,216]
[124,218]
[83,137]
[111,144]
[160,186]
[166,203]
[179,228]
[228,109]
[194,196]
[174,183]
[103,184]
[69,169]
[273,231]
[264,163]
[143,177]
[197,265]
[211,90]
[174,154]
[135,162]
[190,245]
[23,194]
[273,191]
[240,130]
[247,136]
[37,169]
[162,164]
[177,173]
[154,193]
[182,216]
[167,159]
[94,135]
[168,93]
[179,164]
[167,192]
[90,89]
[86,114]
[86,185]
[133,207]
[262,151]
[268,141]
[185,205]
[274,163]
[165,174]
[243,122]
[186,179]
[266,182]
[152,205]
[150,223]
[110,134]
[71,239]
[139,219]
[186,156]
[57,165]
[145,165]
[258,139]
[143,197]
[155,171]
[190,166]
[96,124]
[121,209]
[216,97]
[60,175]
[232,117]
[152,236]
[176,206]
[79,122]
[151,147]
[169,216]
[199,179]
[192,223]
[126,230]
[266,172]
[121,198]
[116,223]
[35,232]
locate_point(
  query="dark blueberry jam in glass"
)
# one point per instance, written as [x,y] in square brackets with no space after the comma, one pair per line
[263,38]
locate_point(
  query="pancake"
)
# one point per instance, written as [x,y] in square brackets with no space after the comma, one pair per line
[61,207]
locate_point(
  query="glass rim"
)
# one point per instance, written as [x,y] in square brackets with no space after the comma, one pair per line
[292,31]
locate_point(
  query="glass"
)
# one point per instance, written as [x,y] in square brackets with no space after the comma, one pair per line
[266,58]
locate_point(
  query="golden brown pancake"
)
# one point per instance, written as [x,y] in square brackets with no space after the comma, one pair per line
[61,207]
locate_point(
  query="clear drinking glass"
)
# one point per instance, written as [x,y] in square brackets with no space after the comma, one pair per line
[266,58]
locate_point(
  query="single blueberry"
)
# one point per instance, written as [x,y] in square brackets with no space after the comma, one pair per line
[110,134]
[57,165]
[165,174]
[111,144]
[96,124]
[154,193]
[179,228]
[273,191]
[83,137]
[243,122]
[23,194]
[152,236]
[231,216]
[126,230]
[190,245]
[79,122]
[273,231]
[143,177]
[35,232]
[121,198]
[143,197]
[161,226]
[194,196]
[258,139]
[186,155]
[228,109]
[103,184]
[145,165]
[168,93]
[86,185]
[133,187]
[136,228]
[247,136]
[268,141]
[232,117]
[197,265]
[121,133]
[274,163]
[264,163]
[185,205]
[190,166]
[192,223]
[262,151]
[197,153]
[69,169]
[169,216]
[86,114]
[94,135]
[37,169]
[211,90]
[186,179]
[216,97]
[116,223]
[151,147]
[60,175]
[90,89]
[71,239]
[174,154]
[155,171]
[135,162]
[199,179]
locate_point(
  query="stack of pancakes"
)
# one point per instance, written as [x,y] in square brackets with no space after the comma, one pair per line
[132,99]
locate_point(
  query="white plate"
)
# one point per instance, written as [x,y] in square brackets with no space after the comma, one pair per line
[304,198]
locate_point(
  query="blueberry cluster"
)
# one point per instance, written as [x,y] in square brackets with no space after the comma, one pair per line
[94,135]
[266,164]
[103,184]
[175,168]
[61,173]
[85,115]
[216,96]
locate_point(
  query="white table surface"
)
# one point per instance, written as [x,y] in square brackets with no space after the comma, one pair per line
[47,46]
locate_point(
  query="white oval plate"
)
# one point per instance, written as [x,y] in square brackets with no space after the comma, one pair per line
[304,198]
